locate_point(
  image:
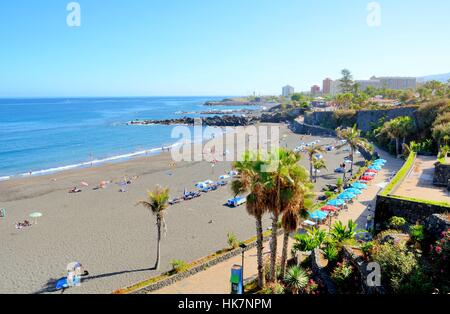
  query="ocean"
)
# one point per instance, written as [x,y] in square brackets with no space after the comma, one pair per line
[44,136]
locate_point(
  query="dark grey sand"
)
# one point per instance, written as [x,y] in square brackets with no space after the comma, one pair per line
[105,231]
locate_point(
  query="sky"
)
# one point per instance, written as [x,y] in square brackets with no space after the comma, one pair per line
[213,47]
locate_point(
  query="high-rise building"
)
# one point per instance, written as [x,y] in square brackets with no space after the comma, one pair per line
[287,91]
[335,87]
[315,90]
[326,86]
[363,84]
[397,83]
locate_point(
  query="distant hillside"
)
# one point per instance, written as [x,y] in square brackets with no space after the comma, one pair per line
[438,77]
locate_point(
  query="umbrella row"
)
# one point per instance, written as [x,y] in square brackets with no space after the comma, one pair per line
[350,193]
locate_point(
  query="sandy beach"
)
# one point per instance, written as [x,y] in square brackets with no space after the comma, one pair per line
[104,230]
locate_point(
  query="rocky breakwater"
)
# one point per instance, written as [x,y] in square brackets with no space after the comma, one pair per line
[219,121]
[231,102]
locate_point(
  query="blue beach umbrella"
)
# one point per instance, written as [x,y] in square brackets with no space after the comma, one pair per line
[346,196]
[378,163]
[377,168]
[354,191]
[318,215]
[359,185]
[336,202]
[380,160]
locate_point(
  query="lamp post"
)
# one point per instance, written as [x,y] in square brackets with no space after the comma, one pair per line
[243,246]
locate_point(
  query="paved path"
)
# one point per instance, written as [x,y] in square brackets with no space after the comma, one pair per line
[419,183]
[215,280]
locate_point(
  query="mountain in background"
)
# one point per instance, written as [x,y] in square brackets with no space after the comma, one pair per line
[437,77]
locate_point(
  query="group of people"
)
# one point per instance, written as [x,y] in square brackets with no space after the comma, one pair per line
[21,225]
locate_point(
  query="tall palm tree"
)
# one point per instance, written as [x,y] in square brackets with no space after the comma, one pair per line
[253,180]
[353,140]
[317,165]
[397,129]
[311,151]
[157,203]
[285,193]
[295,208]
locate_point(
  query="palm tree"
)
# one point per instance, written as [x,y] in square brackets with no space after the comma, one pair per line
[285,172]
[157,203]
[311,151]
[252,180]
[353,139]
[296,208]
[397,129]
[296,279]
[317,165]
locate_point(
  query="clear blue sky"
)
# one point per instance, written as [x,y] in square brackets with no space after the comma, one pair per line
[212,47]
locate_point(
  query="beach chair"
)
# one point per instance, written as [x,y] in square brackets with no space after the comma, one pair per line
[309,223]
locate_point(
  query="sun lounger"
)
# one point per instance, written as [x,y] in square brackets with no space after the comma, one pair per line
[235,202]
[309,223]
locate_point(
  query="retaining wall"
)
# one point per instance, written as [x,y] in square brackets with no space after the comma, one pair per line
[365,119]
[412,211]
[441,175]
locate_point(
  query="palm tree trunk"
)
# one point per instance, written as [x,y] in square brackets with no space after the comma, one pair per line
[259,251]
[396,146]
[273,248]
[351,164]
[310,168]
[158,247]
[284,253]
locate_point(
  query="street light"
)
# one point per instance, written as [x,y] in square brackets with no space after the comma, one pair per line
[243,246]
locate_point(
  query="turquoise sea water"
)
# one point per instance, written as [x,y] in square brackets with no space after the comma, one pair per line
[48,135]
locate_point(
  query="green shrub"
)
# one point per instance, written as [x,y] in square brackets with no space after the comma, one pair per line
[308,241]
[396,263]
[232,241]
[417,233]
[367,247]
[331,253]
[275,288]
[178,266]
[397,222]
[342,276]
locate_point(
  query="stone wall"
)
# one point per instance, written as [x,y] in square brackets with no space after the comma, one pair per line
[365,119]
[362,266]
[436,224]
[441,175]
[318,117]
[321,273]
[412,211]
[303,128]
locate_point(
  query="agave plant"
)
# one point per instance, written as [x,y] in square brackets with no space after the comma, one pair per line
[296,279]
[340,232]
[308,241]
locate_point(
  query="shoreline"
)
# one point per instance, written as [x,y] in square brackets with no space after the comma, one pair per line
[104,230]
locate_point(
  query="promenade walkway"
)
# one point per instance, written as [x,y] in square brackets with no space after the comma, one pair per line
[215,280]
[419,183]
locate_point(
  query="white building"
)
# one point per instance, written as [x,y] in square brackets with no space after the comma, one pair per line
[335,87]
[363,84]
[397,83]
[287,91]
